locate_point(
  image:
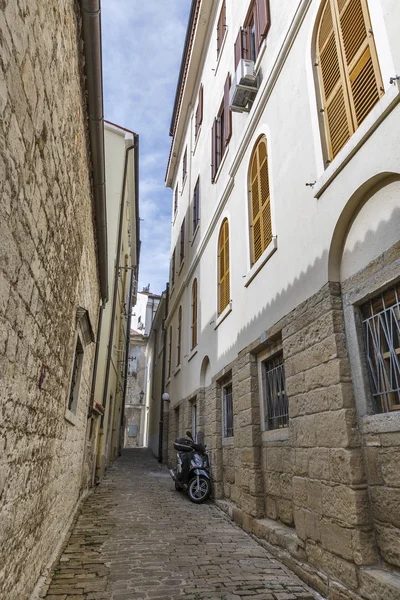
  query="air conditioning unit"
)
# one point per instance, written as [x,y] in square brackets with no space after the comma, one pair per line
[244,86]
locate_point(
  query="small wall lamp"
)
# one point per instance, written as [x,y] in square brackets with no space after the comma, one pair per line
[165,397]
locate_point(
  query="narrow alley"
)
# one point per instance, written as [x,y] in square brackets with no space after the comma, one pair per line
[137,538]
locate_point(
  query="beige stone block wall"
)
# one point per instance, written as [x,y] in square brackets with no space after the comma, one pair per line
[47,269]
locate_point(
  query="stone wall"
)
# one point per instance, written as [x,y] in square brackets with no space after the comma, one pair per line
[47,269]
[304,489]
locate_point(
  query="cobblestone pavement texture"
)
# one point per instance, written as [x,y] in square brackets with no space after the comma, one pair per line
[138,538]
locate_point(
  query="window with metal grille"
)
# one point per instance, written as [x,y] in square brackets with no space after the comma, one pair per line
[381,320]
[228,410]
[260,201]
[194,421]
[350,78]
[194,314]
[223,267]
[179,338]
[276,405]
[177,422]
[76,376]
[196,206]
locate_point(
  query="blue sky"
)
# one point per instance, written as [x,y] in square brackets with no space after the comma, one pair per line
[142,48]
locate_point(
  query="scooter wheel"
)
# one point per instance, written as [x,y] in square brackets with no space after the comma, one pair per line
[178,487]
[199,489]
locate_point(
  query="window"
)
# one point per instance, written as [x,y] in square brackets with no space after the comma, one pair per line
[194,421]
[173,268]
[179,338]
[199,113]
[221,131]
[177,422]
[182,243]
[276,405]
[260,204]
[228,410]
[196,206]
[184,166]
[381,320]
[223,267]
[169,352]
[254,31]
[76,376]
[176,200]
[221,27]
[194,314]
[350,79]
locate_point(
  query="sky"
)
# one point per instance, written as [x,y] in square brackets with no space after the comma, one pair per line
[142,49]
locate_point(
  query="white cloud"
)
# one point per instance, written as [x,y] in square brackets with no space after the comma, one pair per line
[142,49]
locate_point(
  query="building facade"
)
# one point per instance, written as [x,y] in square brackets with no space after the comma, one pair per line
[53,275]
[283,324]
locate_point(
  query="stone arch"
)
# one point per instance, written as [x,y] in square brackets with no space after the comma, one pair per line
[355,219]
[205,372]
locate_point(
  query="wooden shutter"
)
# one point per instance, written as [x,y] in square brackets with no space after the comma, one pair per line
[178,346]
[194,314]
[221,27]
[227,113]
[200,106]
[223,267]
[260,209]
[214,150]
[182,249]
[360,58]
[351,83]
[176,200]
[262,20]
[239,48]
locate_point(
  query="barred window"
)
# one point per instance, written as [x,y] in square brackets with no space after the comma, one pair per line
[276,405]
[228,410]
[381,320]
[76,376]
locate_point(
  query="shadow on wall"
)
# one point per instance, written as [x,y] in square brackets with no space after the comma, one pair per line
[327,264]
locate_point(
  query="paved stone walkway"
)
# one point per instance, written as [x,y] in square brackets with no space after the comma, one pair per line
[137,538]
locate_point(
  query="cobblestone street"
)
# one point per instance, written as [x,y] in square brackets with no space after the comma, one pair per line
[137,538]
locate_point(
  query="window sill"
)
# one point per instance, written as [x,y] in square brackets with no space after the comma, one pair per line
[382,423]
[196,139]
[181,267]
[195,233]
[220,51]
[275,435]
[359,137]
[221,164]
[228,441]
[70,416]
[178,368]
[224,314]
[266,255]
[192,354]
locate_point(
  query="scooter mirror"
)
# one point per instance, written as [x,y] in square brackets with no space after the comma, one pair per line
[189,435]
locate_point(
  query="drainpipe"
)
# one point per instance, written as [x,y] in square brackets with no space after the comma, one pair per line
[161,426]
[117,266]
[91,32]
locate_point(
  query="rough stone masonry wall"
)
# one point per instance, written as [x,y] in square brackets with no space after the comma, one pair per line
[47,269]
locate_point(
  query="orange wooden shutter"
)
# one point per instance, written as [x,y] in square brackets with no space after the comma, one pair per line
[194,314]
[260,201]
[223,267]
[213,150]
[334,94]
[360,58]
[227,112]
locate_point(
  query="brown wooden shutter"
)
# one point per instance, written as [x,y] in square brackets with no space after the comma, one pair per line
[239,47]
[227,112]
[200,107]
[263,19]
[214,150]
[221,27]
[333,89]
[194,314]
[261,225]
[360,58]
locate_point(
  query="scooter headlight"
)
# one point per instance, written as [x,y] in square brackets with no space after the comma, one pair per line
[198,461]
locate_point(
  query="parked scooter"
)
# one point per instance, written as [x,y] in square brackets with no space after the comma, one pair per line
[192,469]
